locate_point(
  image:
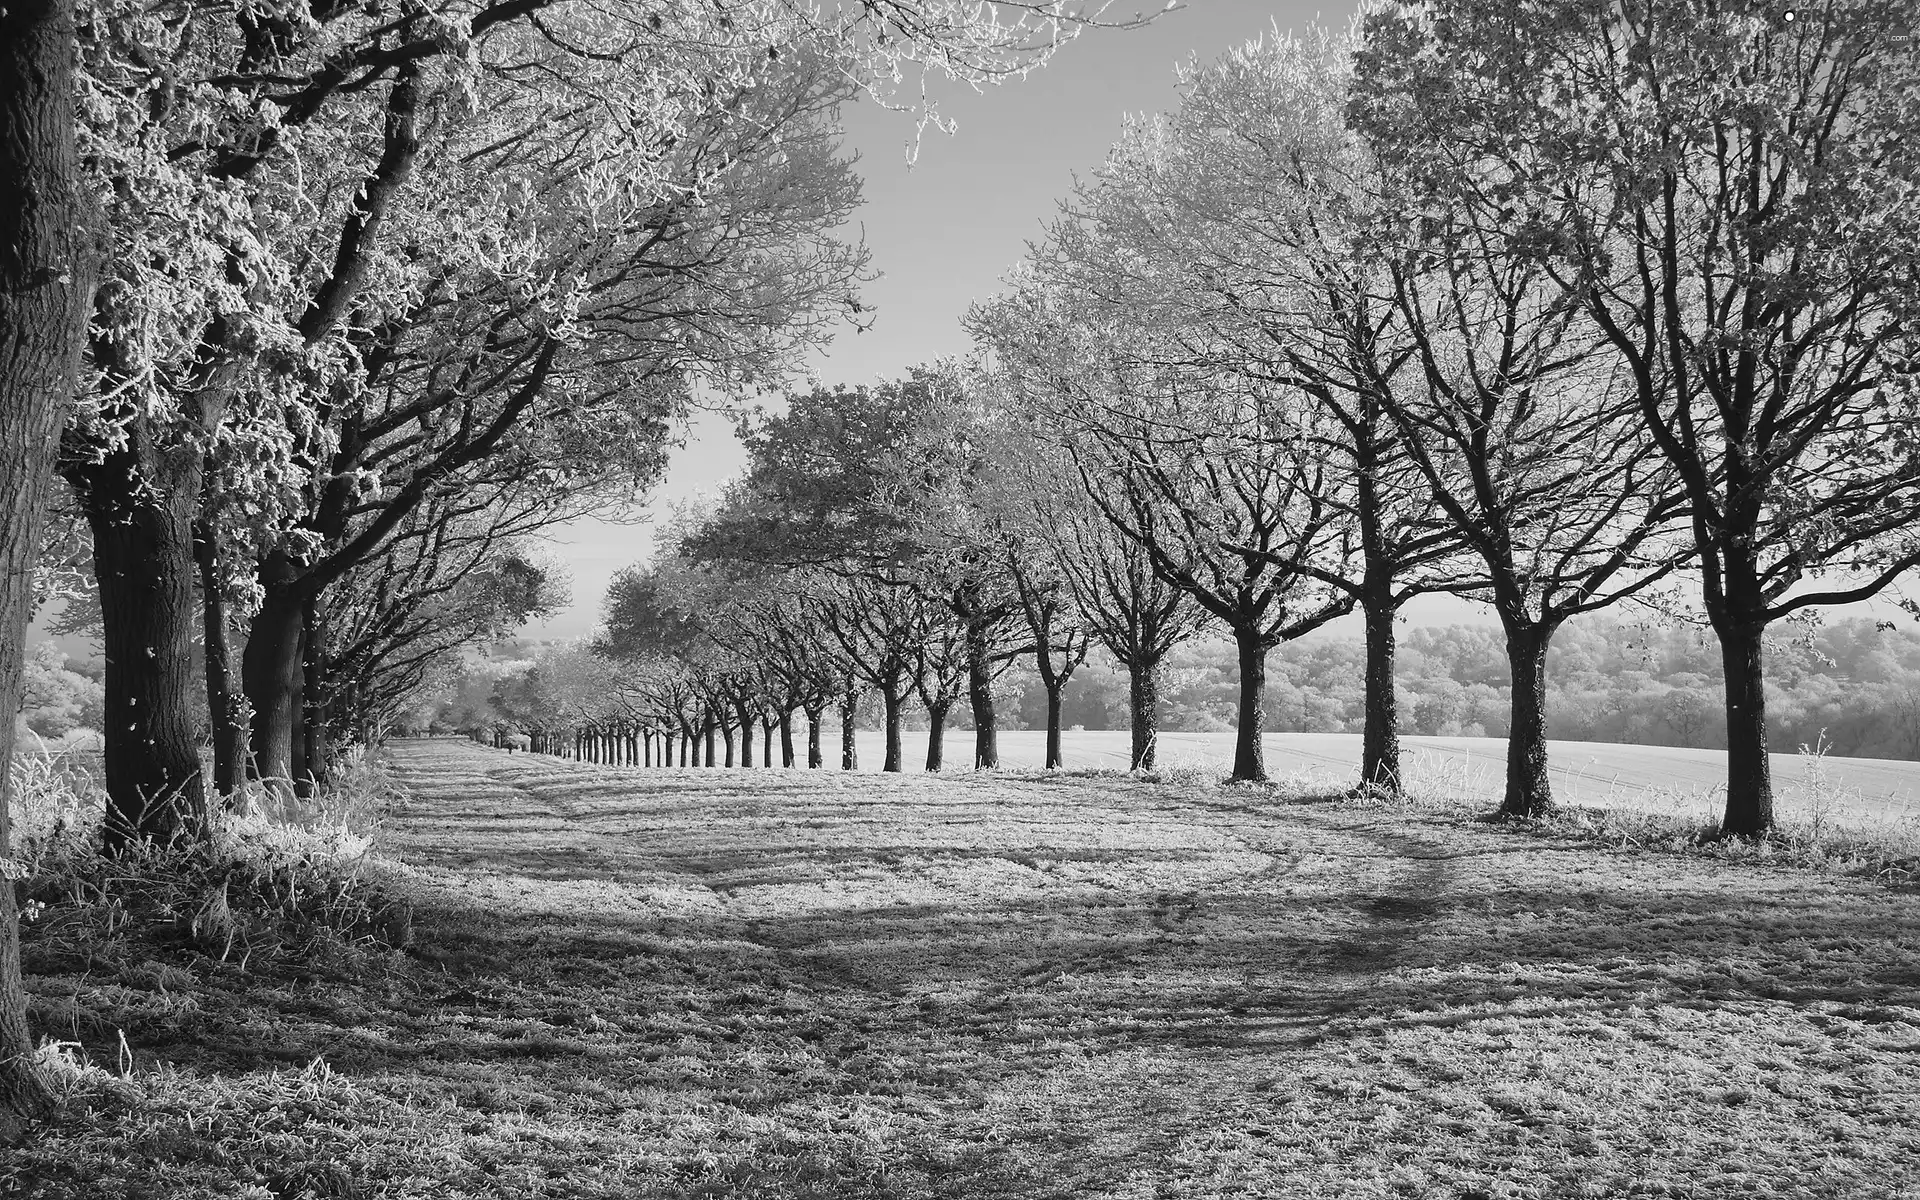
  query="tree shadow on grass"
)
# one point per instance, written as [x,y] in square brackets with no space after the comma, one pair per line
[1114,976]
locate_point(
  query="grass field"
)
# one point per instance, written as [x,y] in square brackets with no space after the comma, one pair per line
[1663,778]
[790,984]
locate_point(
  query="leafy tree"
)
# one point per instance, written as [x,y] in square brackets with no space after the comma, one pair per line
[884,482]
[298,199]
[55,700]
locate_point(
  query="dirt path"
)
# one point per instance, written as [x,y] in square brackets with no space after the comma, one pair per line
[803,984]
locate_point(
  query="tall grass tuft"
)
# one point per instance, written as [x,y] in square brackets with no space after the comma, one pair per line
[269,879]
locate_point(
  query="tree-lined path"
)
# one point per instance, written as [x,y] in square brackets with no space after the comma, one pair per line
[807,984]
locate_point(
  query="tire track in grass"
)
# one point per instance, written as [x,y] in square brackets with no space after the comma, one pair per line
[1101,988]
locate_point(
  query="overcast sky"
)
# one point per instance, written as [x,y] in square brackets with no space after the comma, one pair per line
[944,230]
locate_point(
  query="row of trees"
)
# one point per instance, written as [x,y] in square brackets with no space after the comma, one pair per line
[891,540]
[1551,304]
[318,309]
[1554,304]
[886,546]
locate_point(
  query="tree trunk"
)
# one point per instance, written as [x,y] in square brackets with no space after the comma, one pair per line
[986,732]
[936,735]
[891,703]
[726,732]
[1749,811]
[766,742]
[316,716]
[144,564]
[1143,699]
[786,739]
[815,760]
[270,673]
[849,748]
[746,736]
[1249,750]
[1380,745]
[1529,792]
[300,721]
[713,738]
[1054,759]
[47,273]
[225,714]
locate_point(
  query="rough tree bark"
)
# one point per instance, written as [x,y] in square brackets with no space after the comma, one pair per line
[746,735]
[849,749]
[1380,744]
[144,565]
[47,272]
[891,701]
[1143,697]
[815,759]
[270,673]
[1249,750]
[1749,811]
[316,743]
[1054,759]
[1529,792]
[986,730]
[224,712]
[936,736]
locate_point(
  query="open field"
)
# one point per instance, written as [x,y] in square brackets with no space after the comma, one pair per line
[1664,778]
[790,984]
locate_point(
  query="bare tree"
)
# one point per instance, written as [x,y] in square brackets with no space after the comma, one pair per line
[1730,206]
[1239,222]
[1212,474]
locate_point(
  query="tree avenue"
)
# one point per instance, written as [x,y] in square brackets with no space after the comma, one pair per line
[355,259]
[314,318]
[1532,310]
[363,269]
